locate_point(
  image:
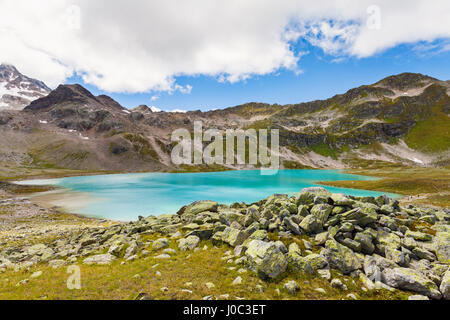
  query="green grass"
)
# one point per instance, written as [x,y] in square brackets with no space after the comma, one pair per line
[294,165]
[325,150]
[118,281]
[432,134]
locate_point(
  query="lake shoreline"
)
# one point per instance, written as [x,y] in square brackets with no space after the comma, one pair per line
[232,186]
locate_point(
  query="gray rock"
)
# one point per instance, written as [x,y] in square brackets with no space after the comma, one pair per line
[291,287]
[293,227]
[340,257]
[423,254]
[352,244]
[311,224]
[365,240]
[237,281]
[442,246]
[445,286]
[418,297]
[408,279]
[396,256]
[307,195]
[100,259]
[419,236]
[266,259]
[310,264]
[338,284]
[234,237]
[302,210]
[321,212]
[188,243]
[198,207]
[321,238]
[160,243]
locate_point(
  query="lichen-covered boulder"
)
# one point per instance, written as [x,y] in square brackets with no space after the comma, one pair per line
[365,240]
[199,206]
[310,264]
[409,279]
[100,259]
[362,215]
[234,237]
[442,247]
[341,200]
[372,269]
[118,248]
[292,226]
[160,243]
[387,239]
[307,195]
[258,235]
[302,210]
[188,243]
[445,286]
[321,212]
[311,224]
[340,257]
[291,287]
[396,256]
[388,222]
[419,236]
[423,253]
[265,259]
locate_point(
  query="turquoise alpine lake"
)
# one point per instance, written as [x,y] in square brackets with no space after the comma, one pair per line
[124,197]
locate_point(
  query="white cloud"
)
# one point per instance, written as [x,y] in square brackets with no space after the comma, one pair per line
[145,45]
[185,90]
[154,98]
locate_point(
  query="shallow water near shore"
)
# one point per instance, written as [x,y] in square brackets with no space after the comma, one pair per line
[124,197]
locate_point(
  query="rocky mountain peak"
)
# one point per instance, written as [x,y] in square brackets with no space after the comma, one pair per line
[405,81]
[18,90]
[143,109]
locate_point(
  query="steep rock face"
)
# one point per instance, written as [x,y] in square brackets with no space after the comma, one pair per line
[73,107]
[18,90]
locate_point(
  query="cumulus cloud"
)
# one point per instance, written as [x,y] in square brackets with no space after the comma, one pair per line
[145,45]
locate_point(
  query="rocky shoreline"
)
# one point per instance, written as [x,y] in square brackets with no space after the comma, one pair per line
[375,240]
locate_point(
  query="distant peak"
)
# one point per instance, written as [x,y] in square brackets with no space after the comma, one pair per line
[404,81]
[142,108]
[18,90]
[8,66]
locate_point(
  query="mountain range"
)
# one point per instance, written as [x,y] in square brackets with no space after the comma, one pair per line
[17,90]
[400,120]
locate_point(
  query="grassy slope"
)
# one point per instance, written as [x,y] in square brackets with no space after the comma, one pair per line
[118,281]
[431,135]
[426,185]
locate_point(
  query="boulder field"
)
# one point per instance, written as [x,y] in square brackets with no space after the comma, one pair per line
[374,239]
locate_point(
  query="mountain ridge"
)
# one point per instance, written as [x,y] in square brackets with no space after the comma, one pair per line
[400,120]
[18,90]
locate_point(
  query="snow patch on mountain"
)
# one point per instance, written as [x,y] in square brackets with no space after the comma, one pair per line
[18,90]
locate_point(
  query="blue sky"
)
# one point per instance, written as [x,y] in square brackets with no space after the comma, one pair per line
[321,78]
